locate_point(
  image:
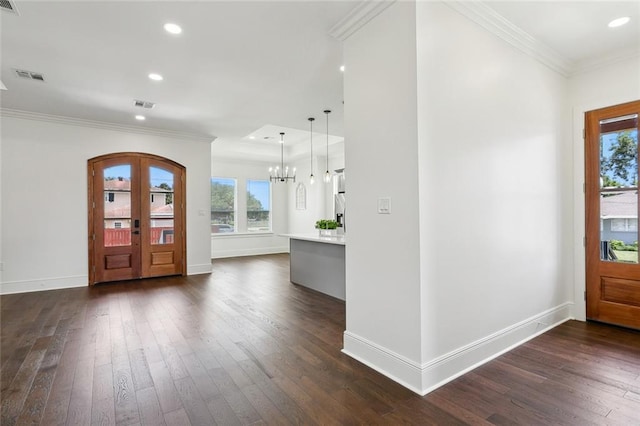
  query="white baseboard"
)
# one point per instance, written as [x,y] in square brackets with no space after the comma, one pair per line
[426,377]
[204,268]
[391,364]
[221,254]
[27,286]
[43,284]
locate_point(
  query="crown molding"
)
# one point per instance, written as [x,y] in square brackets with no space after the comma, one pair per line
[590,65]
[29,115]
[495,23]
[358,17]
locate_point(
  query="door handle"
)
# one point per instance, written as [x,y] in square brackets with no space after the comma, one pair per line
[136,232]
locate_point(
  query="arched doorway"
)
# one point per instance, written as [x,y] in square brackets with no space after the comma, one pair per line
[136,217]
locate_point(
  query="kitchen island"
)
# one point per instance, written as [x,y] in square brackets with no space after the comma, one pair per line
[318,263]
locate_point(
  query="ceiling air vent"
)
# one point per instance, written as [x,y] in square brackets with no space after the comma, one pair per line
[8,6]
[143,104]
[29,74]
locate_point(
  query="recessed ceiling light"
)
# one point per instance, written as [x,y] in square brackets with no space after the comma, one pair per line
[172,28]
[342,68]
[252,137]
[619,22]
[140,117]
[155,77]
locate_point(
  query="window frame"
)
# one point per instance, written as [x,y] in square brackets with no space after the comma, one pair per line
[235,205]
[623,224]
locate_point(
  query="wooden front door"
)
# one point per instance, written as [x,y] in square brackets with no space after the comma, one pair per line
[611,187]
[136,217]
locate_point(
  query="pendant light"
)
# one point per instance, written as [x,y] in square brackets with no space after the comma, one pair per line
[311,177]
[281,173]
[327,174]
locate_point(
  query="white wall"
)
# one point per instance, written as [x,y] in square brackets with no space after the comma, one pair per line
[470,140]
[319,195]
[381,158]
[495,194]
[44,198]
[611,85]
[243,243]
[303,221]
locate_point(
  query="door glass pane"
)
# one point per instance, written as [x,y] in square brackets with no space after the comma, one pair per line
[117,206]
[161,186]
[619,189]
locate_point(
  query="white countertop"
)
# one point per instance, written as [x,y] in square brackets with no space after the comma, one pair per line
[339,240]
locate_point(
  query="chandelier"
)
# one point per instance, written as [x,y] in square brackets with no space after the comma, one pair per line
[281,173]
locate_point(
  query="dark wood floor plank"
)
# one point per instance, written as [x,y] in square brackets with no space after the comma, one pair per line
[593,396]
[81,393]
[457,410]
[33,409]
[194,405]
[34,406]
[222,412]
[245,346]
[165,387]
[538,394]
[103,412]
[149,345]
[150,411]
[12,365]
[268,412]
[60,394]
[177,418]
[304,401]
[285,404]
[140,369]
[205,385]
[14,398]
[126,406]
[103,403]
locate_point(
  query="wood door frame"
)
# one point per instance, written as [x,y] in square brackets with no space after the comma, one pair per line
[91,206]
[595,268]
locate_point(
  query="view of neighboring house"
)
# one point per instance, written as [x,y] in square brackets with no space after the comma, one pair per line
[117,212]
[619,217]
[117,203]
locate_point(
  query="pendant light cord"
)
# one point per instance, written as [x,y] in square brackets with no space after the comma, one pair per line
[282,153]
[327,176]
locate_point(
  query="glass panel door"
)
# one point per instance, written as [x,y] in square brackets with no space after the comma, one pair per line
[619,189]
[161,195]
[136,217]
[117,205]
[611,201]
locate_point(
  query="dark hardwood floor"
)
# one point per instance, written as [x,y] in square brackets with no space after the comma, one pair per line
[244,346]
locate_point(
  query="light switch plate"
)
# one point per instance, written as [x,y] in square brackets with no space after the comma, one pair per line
[384,205]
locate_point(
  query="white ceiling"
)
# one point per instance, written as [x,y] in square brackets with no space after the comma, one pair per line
[577,30]
[239,67]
